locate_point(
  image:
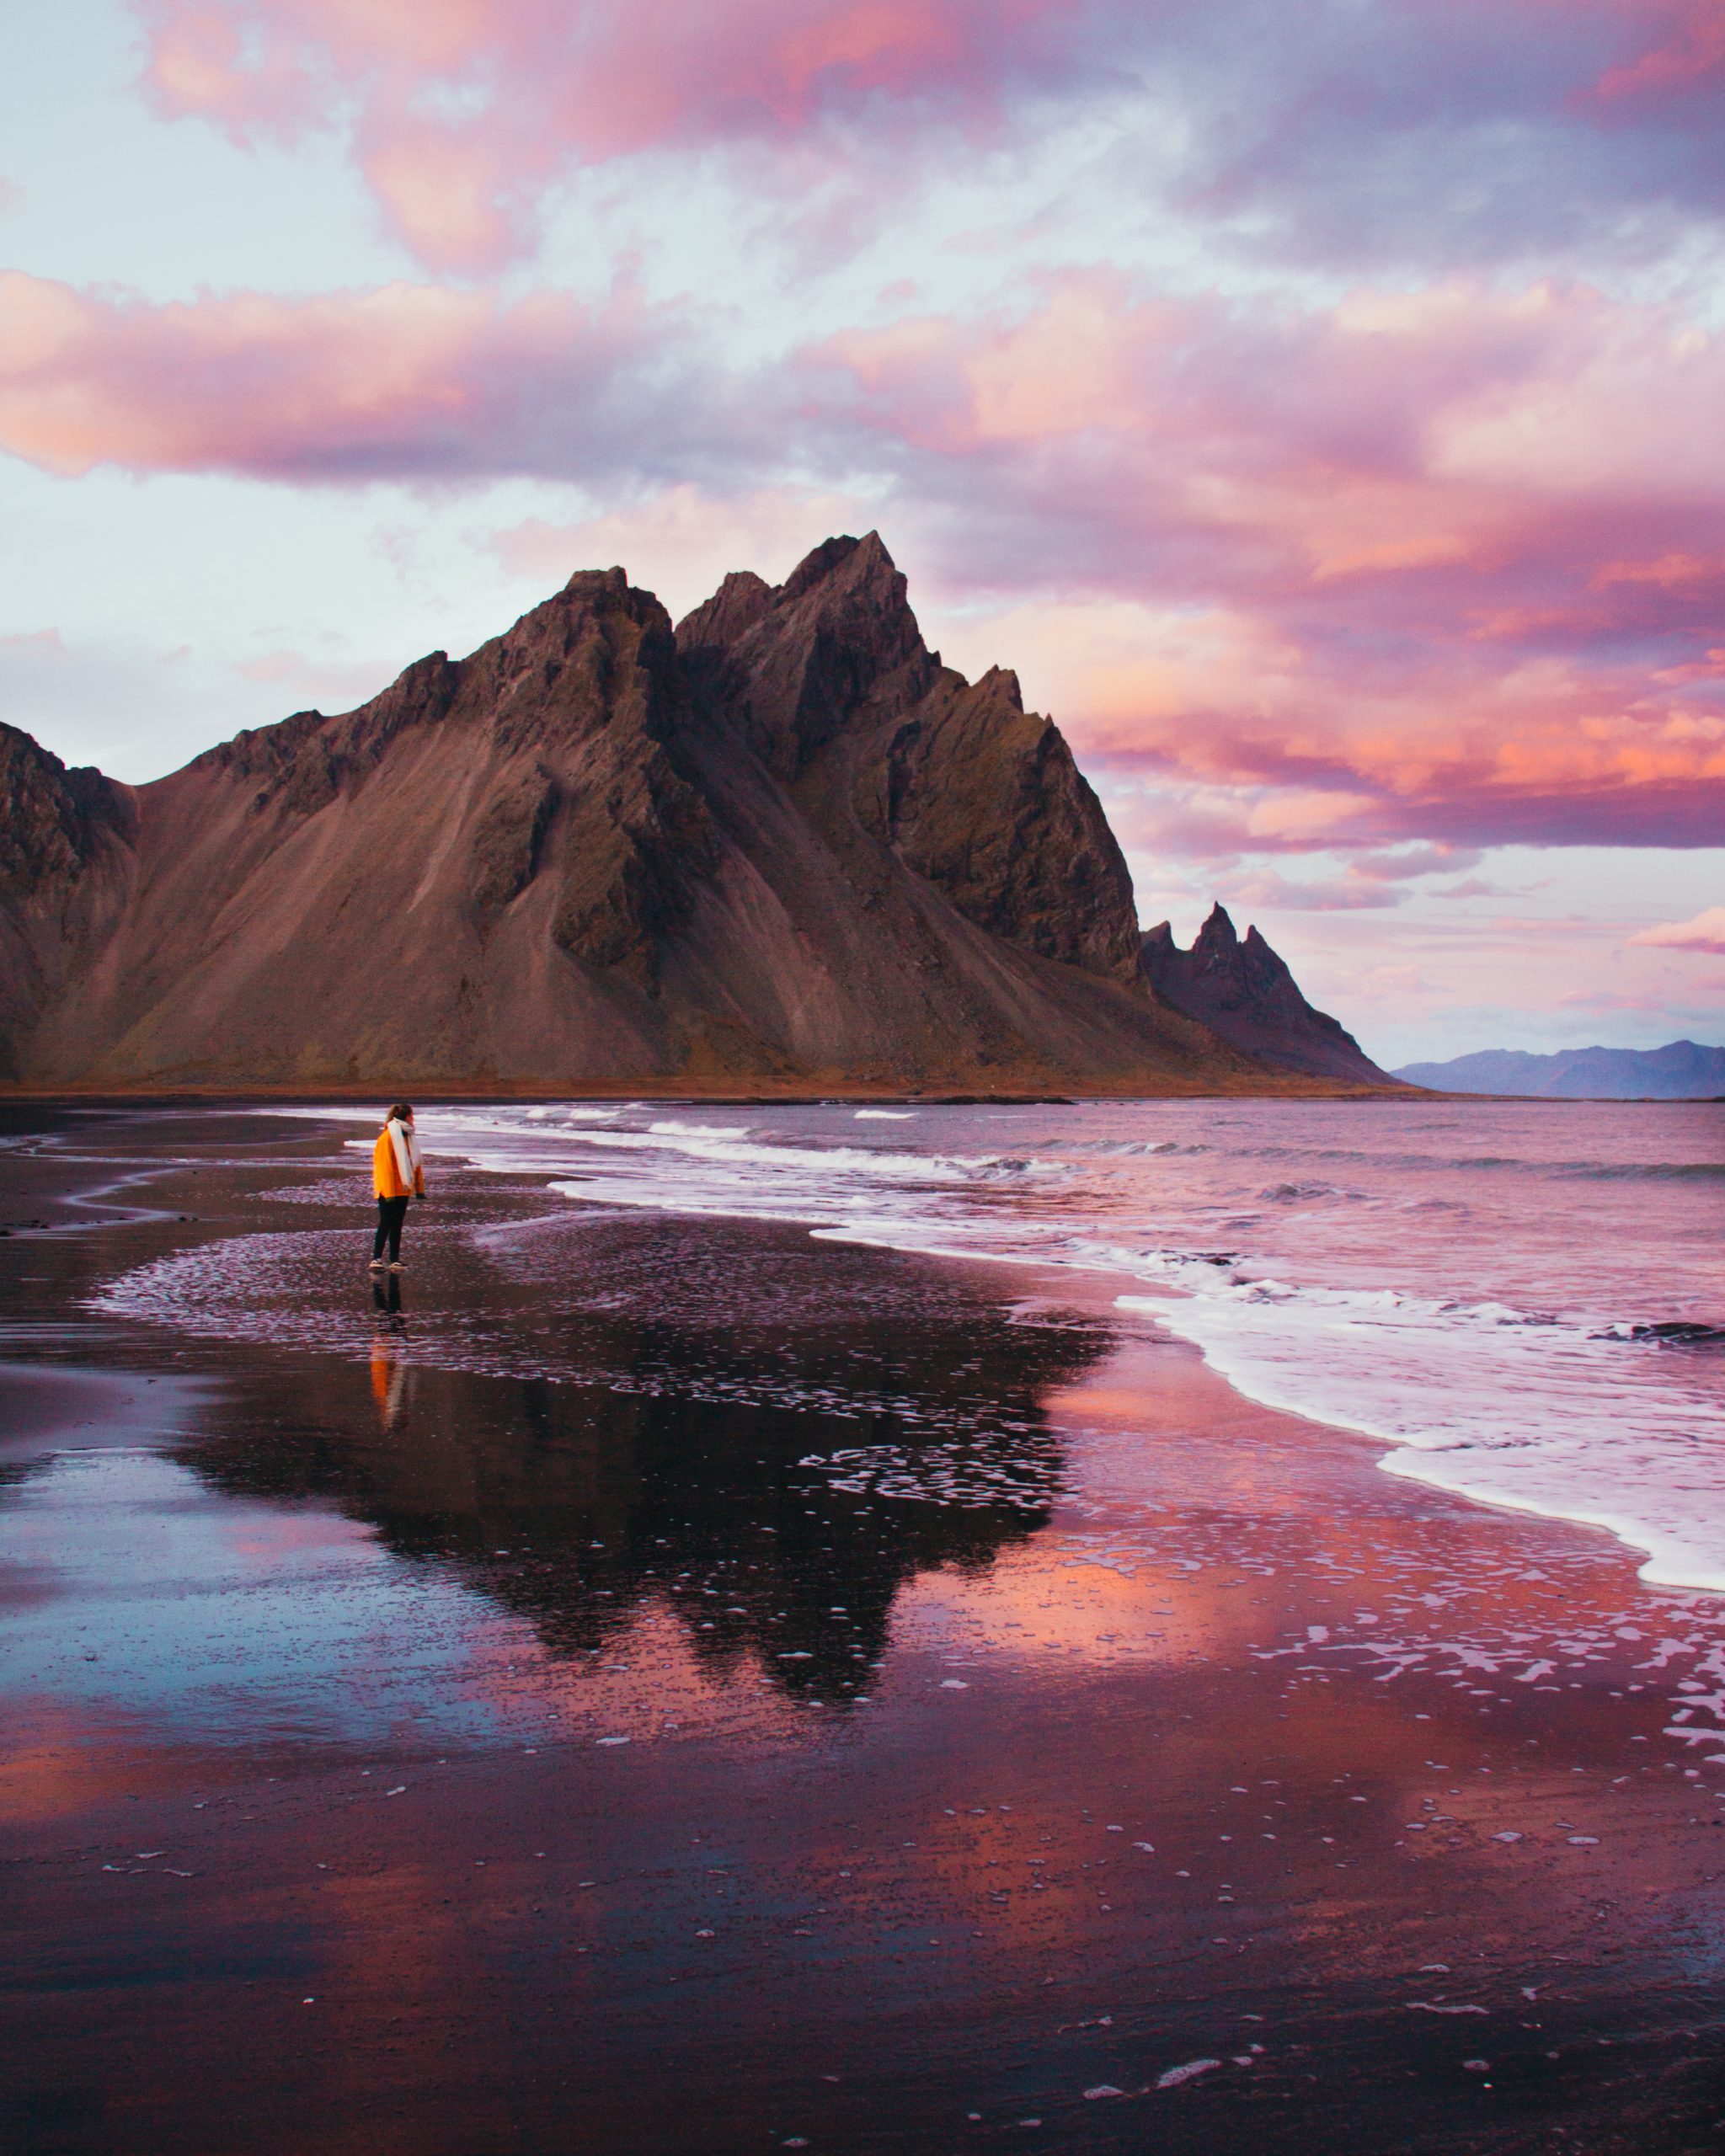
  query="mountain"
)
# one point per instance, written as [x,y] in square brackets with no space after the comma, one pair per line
[780,847]
[1244,993]
[1681,1070]
[65,838]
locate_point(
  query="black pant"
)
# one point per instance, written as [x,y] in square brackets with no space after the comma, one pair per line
[391,1213]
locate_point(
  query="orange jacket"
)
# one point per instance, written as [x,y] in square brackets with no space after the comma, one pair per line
[387,1175]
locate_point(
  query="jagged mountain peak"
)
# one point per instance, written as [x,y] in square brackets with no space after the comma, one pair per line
[840,569]
[1218,940]
[1244,990]
[835,644]
[717,623]
[978,796]
[1219,926]
[862,562]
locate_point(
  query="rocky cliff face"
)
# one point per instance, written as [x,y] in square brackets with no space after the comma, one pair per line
[1245,994]
[977,796]
[783,846]
[64,838]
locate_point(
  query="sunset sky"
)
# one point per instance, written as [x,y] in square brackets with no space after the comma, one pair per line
[1321,407]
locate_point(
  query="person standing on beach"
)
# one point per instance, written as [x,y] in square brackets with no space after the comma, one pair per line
[396,1176]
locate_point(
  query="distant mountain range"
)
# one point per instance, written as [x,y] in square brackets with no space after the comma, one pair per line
[1681,1070]
[781,848]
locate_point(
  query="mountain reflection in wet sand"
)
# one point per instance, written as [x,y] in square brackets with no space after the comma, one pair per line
[588,1509]
[835,1698]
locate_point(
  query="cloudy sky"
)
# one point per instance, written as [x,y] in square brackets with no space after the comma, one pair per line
[1321,407]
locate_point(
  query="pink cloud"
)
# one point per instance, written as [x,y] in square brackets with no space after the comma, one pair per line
[405,380]
[540,87]
[1410,862]
[334,685]
[1346,895]
[1704,933]
[1401,127]
[1677,54]
[1478,887]
[1445,565]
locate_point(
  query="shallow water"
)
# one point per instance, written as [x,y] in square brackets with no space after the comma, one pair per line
[1476,1284]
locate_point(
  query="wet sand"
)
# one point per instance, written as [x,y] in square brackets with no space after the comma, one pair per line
[673,1685]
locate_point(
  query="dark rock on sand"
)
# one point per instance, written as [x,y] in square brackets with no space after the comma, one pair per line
[1243,991]
[783,845]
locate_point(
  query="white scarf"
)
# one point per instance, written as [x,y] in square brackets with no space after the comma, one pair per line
[407,1151]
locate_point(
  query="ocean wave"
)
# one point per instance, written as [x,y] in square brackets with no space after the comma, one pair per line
[1505,1406]
[741,1146]
[1517,1164]
[1668,1332]
[1646,1171]
[1300,1193]
[1125,1149]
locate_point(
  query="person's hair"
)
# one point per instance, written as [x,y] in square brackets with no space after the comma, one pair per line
[398,1111]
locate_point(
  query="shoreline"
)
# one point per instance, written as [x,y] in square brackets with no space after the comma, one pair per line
[802,1093]
[1067,1793]
[673,1093]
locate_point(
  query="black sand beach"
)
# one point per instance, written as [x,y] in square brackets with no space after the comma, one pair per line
[658,1684]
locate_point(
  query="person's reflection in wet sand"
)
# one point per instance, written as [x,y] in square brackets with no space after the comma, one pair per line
[389,1367]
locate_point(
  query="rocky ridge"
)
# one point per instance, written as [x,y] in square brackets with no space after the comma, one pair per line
[64,835]
[780,847]
[1244,993]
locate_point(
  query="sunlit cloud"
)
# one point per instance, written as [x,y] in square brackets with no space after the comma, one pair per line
[1388,571]
[1704,933]
[462,114]
[402,381]
[1423,130]
[1345,894]
[1680,59]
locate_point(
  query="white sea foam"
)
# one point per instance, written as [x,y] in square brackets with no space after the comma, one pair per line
[1489,1402]
[502,1140]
